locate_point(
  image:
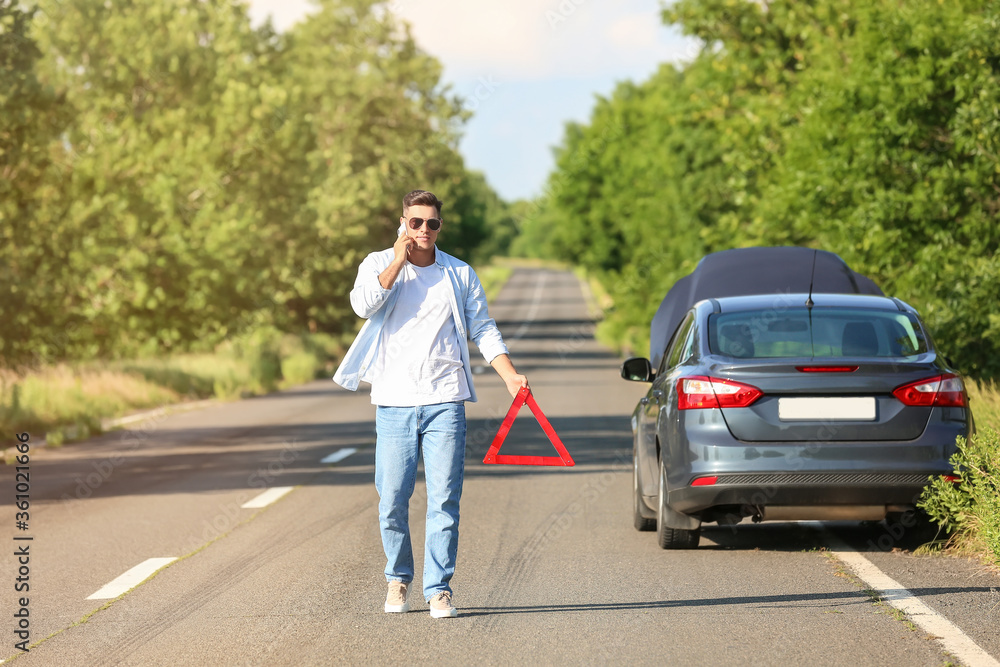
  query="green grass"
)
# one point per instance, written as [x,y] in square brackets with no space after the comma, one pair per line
[73,399]
[984,399]
[493,277]
[69,401]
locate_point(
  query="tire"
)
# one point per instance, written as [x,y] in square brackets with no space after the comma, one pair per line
[672,538]
[641,523]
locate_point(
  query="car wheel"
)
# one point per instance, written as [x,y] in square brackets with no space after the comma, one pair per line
[672,538]
[640,522]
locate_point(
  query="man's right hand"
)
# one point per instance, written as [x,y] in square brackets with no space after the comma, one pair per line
[402,248]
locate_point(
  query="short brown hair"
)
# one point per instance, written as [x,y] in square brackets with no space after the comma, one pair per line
[422,198]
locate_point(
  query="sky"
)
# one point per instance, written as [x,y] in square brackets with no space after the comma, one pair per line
[525,68]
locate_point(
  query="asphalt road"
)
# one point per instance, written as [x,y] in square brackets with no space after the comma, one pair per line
[550,569]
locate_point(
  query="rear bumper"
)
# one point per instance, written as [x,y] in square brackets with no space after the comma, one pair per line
[802,489]
[830,473]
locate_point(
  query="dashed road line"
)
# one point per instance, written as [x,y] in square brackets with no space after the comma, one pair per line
[266,498]
[131,579]
[951,637]
[339,455]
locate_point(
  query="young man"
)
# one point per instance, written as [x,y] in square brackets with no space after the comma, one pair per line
[421,305]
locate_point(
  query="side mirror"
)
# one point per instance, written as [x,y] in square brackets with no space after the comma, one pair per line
[637,369]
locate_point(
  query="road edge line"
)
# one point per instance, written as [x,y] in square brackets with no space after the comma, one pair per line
[949,635]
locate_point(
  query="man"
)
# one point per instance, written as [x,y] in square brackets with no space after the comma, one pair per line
[421,305]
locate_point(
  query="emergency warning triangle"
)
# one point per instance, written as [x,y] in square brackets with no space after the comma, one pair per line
[493,455]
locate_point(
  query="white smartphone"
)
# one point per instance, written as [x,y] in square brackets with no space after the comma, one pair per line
[401,230]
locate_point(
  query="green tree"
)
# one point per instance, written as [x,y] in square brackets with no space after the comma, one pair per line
[203,178]
[31,118]
[177,171]
[894,165]
[382,126]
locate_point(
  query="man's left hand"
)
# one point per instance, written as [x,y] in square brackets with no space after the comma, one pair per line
[514,380]
[514,384]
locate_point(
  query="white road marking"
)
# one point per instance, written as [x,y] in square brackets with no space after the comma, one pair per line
[536,303]
[952,638]
[338,455]
[131,579]
[266,498]
[109,424]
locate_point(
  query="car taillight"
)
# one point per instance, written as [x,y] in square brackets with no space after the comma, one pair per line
[944,391]
[699,392]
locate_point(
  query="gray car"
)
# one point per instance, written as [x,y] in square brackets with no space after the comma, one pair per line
[791,406]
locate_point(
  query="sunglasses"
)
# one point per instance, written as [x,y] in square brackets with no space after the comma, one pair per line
[433,224]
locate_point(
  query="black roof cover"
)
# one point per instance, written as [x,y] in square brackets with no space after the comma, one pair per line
[743,271]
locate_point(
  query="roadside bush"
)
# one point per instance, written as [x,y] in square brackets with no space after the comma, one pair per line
[329,349]
[229,385]
[169,373]
[971,507]
[273,359]
[260,350]
[300,367]
[85,427]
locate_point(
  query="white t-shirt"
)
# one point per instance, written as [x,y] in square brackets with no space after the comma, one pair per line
[420,362]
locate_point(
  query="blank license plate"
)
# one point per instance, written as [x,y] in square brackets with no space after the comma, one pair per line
[854,408]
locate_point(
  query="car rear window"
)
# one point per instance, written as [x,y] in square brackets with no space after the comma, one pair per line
[816,332]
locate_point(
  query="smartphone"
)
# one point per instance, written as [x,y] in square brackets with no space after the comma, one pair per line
[401,230]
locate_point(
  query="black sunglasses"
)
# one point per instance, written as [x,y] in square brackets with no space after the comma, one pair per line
[433,224]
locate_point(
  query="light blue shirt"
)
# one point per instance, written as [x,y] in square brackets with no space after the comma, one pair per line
[373,302]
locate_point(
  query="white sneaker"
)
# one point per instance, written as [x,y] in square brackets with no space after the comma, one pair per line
[441,606]
[395,598]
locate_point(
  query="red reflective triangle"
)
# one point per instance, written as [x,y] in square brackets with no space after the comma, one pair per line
[492,456]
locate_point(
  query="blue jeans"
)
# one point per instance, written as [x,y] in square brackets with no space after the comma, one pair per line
[402,435]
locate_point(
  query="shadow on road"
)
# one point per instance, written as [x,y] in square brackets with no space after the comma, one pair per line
[775,601]
[214,459]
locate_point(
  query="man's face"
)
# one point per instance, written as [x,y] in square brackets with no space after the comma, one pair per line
[424,236]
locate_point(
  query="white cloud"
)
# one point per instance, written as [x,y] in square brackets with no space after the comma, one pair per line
[634,32]
[531,40]
[473,38]
[521,40]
